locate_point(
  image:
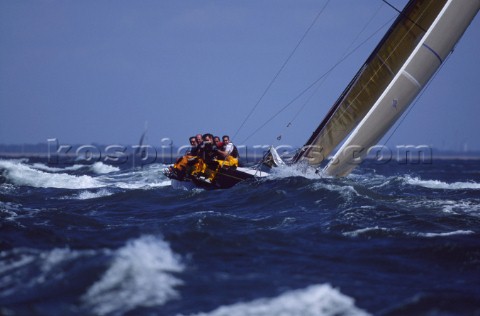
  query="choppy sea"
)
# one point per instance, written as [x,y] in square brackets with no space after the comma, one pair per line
[101,240]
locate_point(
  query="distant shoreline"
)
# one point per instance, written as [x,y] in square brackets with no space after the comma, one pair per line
[437,155]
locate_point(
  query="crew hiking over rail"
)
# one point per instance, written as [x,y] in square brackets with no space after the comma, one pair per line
[209,163]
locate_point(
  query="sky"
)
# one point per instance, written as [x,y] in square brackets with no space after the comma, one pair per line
[98,71]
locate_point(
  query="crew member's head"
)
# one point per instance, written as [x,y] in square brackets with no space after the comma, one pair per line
[226,139]
[217,142]
[208,138]
[199,139]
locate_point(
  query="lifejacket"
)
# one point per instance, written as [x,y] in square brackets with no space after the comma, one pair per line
[209,170]
[182,162]
[201,168]
[229,161]
[182,165]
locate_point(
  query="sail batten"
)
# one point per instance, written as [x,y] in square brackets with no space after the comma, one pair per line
[371,80]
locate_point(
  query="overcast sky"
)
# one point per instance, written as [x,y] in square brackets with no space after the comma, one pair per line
[96,71]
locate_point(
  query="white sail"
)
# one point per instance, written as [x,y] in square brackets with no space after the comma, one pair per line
[425,59]
[371,80]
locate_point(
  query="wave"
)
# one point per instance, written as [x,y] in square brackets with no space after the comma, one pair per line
[383,232]
[436,184]
[97,168]
[296,171]
[139,276]
[143,184]
[347,192]
[22,269]
[366,231]
[315,300]
[42,176]
[150,176]
[9,210]
[86,195]
[446,234]
[21,174]
[465,206]
[43,167]
[101,168]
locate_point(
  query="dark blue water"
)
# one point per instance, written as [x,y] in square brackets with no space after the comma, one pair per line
[97,240]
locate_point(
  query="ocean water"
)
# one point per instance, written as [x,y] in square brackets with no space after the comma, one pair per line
[101,240]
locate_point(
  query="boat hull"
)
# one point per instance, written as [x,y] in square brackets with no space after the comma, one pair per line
[224,179]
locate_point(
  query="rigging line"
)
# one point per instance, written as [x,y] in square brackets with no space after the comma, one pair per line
[281,69]
[401,13]
[346,51]
[417,99]
[392,6]
[317,80]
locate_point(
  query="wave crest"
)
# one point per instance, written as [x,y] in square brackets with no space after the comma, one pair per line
[315,300]
[21,174]
[140,275]
[437,184]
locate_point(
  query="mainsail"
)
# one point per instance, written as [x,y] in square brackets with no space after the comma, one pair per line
[397,70]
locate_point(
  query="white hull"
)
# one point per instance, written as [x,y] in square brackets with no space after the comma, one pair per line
[256,173]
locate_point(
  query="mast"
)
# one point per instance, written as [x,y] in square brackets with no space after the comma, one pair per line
[371,80]
[430,51]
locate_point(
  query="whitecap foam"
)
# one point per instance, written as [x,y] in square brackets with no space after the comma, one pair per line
[139,276]
[86,195]
[42,176]
[21,174]
[295,171]
[366,230]
[463,206]
[446,234]
[43,167]
[347,192]
[145,178]
[10,210]
[143,184]
[101,168]
[315,300]
[466,206]
[437,184]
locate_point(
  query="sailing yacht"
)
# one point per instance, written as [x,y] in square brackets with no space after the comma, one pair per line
[407,57]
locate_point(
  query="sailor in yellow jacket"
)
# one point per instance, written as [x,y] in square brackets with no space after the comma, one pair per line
[228,152]
[209,159]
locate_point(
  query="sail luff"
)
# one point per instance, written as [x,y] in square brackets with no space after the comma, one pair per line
[422,63]
[371,80]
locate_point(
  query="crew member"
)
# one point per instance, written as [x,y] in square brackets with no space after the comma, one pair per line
[219,144]
[208,151]
[181,167]
[193,150]
[229,152]
[206,164]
